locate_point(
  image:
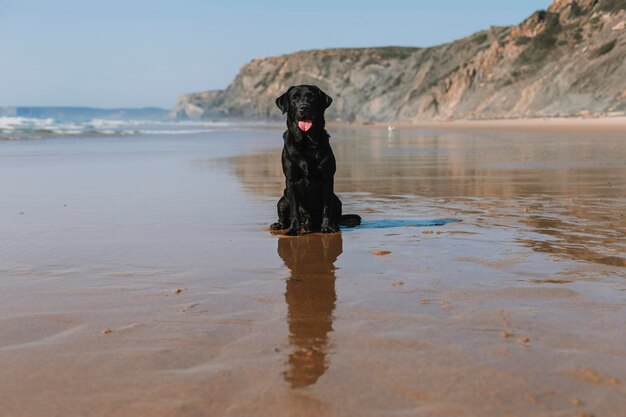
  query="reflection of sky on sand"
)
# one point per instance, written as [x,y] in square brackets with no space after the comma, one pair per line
[388,224]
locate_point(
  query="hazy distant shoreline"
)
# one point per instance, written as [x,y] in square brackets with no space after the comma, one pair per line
[85,112]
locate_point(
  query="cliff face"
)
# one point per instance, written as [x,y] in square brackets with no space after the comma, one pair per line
[197,105]
[567,60]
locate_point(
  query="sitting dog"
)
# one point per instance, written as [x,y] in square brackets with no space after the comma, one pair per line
[309,202]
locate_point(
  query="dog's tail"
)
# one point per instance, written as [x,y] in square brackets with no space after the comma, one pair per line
[349,220]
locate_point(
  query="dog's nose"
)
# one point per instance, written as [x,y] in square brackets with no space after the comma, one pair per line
[303,107]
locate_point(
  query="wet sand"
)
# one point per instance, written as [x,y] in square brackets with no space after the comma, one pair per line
[138,277]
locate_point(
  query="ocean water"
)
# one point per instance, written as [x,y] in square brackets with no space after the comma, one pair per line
[17,127]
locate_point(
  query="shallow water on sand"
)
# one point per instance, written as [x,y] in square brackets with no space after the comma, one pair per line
[518,309]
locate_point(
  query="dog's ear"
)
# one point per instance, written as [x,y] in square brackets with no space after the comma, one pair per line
[283,101]
[326,100]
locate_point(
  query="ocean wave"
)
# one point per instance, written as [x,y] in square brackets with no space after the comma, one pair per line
[27,127]
[175,132]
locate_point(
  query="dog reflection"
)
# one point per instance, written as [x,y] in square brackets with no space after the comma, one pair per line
[310,298]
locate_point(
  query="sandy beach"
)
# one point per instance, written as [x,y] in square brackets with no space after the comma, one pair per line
[138,276]
[540,125]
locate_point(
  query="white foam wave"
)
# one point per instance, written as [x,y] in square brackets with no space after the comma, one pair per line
[14,127]
[176,132]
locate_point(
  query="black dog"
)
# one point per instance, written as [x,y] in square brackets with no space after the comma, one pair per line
[309,202]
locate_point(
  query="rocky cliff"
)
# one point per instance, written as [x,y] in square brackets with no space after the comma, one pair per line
[567,60]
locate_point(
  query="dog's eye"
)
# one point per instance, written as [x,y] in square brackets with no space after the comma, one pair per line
[295,97]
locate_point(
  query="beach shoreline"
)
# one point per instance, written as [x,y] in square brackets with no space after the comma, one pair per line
[590,124]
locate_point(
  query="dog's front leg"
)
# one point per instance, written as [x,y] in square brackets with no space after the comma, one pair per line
[294,207]
[329,221]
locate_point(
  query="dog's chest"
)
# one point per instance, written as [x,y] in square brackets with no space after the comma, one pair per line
[313,148]
[312,151]
[315,155]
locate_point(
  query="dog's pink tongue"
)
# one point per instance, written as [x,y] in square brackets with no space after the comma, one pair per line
[305,125]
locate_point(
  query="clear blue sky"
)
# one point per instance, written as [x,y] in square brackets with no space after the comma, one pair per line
[111,53]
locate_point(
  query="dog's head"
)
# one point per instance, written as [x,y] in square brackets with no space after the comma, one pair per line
[304,105]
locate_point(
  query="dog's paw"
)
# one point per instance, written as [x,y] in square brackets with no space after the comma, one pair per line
[277,226]
[330,228]
[293,232]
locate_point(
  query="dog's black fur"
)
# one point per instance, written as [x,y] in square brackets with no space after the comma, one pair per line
[309,202]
